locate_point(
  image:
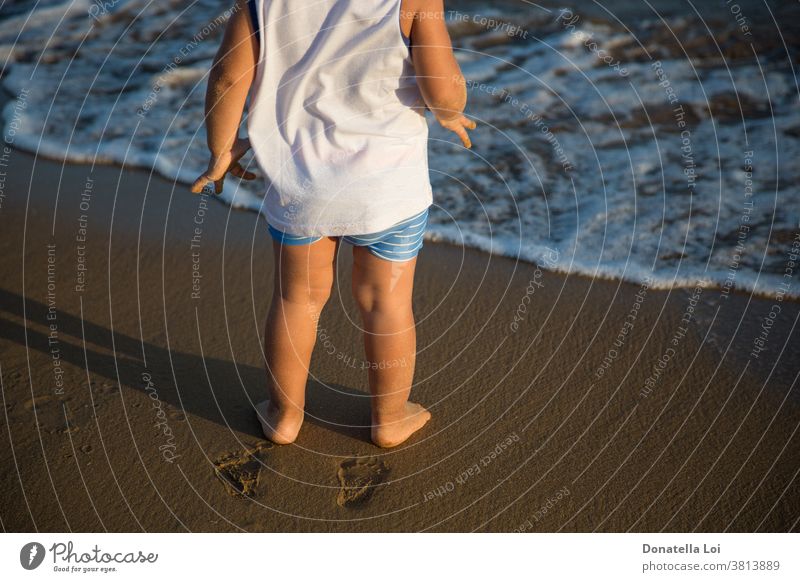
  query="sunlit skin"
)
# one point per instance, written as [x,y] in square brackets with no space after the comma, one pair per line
[229,82]
[304,275]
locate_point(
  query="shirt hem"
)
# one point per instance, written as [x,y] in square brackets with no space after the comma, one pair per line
[345,229]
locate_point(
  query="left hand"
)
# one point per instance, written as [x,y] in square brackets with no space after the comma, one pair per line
[219,166]
[459,126]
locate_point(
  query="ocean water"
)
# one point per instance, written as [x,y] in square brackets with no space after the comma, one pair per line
[663,148]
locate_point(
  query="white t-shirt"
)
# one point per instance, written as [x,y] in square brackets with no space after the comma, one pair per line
[336,118]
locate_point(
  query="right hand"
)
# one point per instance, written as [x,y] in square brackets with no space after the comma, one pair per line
[459,126]
[222,164]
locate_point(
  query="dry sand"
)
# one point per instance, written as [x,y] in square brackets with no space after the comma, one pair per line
[143,420]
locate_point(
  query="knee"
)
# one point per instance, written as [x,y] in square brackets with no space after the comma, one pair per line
[379,299]
[315,295]
[364,296]
[318,296]
[382,286]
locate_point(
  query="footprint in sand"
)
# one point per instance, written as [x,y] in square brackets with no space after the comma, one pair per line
[55,415]
[103,389]
[241,471]
[38,402]
[359,478]
[66,414]
[176,414]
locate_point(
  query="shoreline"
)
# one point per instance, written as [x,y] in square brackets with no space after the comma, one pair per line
[708,285]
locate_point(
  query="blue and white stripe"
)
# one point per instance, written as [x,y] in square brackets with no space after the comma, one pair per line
[400,242]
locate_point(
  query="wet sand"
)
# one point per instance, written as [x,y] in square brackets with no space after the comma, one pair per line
[130,349]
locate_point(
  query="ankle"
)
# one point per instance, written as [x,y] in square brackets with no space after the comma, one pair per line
[286,411]
[387,416]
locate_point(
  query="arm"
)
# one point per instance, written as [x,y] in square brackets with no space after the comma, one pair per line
[438,75]
[229,81]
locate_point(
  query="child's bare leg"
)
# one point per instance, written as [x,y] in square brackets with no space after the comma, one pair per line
[303,280]
[383,291]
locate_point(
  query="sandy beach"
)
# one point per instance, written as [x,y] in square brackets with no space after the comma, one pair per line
[130,346]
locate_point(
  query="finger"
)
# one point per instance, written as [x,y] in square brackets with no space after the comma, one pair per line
[236,156]
[240,148]
[469,123]
[199,184]
[243,143]
[461,132]
[238,171]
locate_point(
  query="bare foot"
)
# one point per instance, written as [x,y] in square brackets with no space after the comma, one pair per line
[279,426]
[392,433]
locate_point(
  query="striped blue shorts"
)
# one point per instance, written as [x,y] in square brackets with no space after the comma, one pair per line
[400,242]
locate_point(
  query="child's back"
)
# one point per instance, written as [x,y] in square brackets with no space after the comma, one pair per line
[337,119]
